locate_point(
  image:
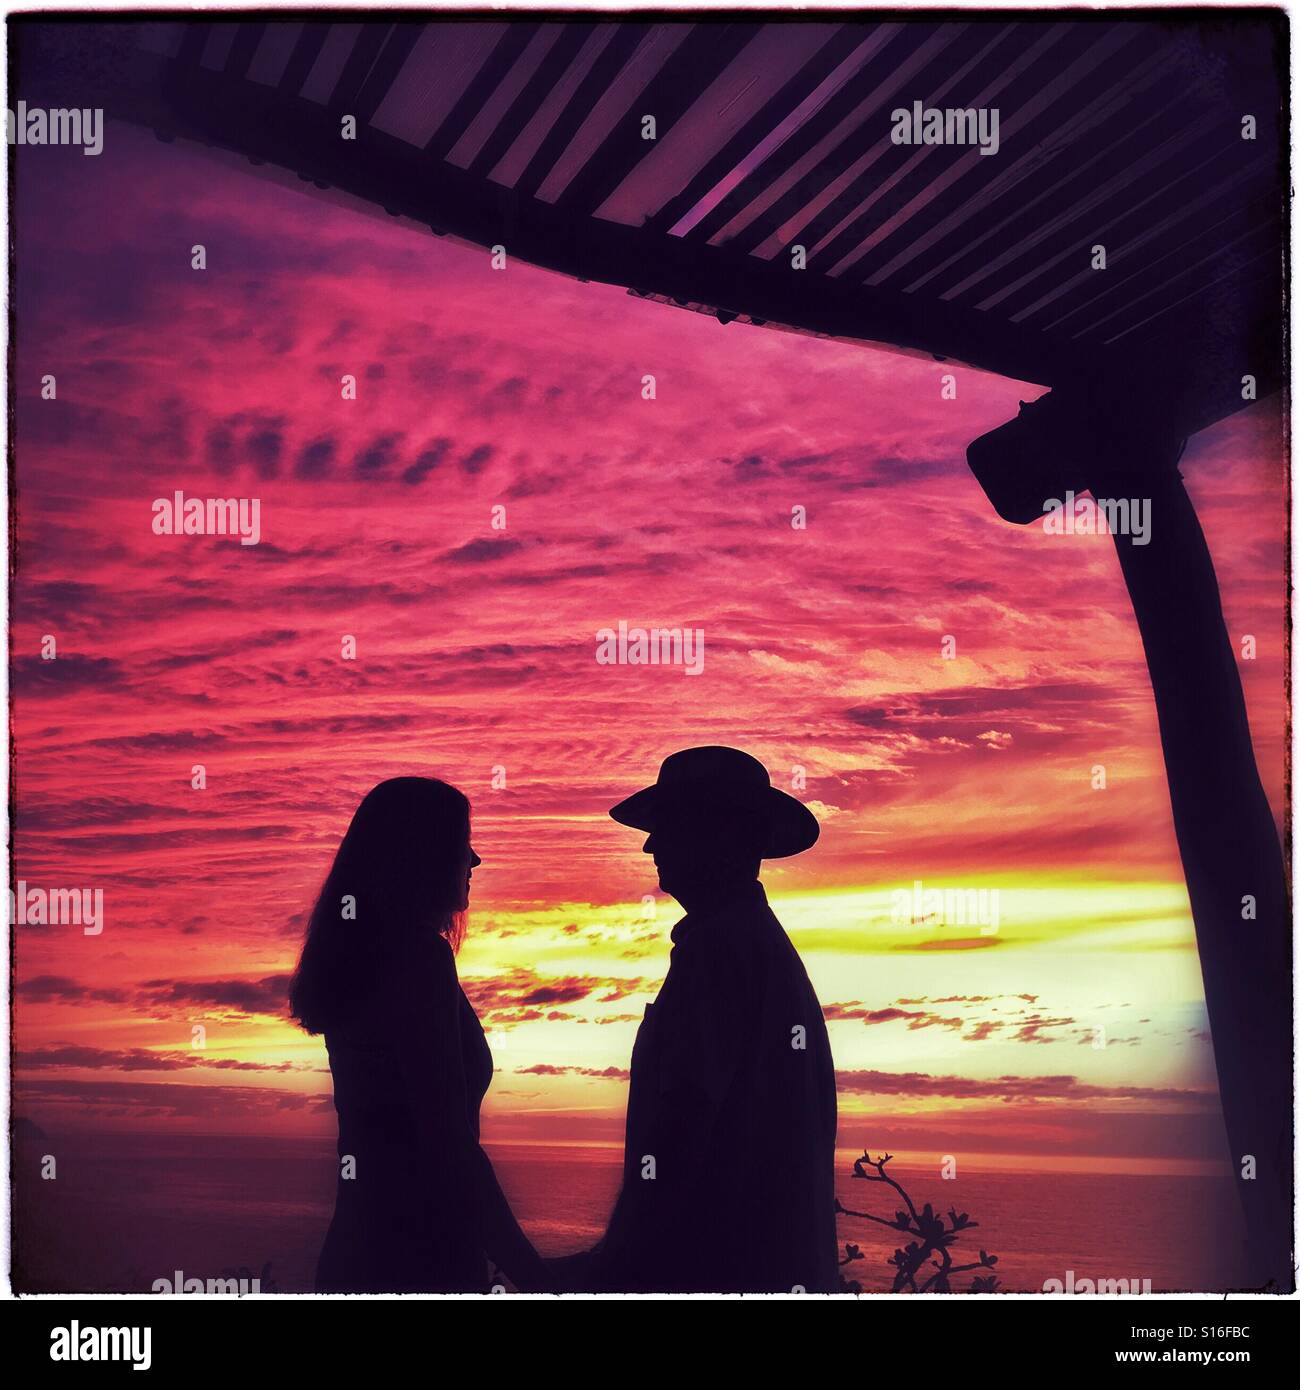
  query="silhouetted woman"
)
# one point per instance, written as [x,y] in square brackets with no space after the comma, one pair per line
[418,1207]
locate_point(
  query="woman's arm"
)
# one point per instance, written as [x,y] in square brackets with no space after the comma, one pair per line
[503,1239]
[425,1024]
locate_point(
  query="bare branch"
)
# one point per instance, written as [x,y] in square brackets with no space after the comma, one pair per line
[931,1246]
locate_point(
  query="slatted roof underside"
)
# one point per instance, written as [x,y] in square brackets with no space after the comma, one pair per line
[1116,132]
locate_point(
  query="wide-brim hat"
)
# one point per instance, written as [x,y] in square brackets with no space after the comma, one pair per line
[716,780]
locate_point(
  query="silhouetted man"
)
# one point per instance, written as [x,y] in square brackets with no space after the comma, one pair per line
[728,1169]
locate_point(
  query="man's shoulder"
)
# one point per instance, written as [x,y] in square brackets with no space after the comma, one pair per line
[744,952]
[740,930]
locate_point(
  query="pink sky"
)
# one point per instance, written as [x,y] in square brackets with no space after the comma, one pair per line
[480,389]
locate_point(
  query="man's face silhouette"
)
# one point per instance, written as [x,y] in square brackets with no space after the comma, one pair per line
[702,854]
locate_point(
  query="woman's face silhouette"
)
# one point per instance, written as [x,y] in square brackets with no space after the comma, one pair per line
[472,861]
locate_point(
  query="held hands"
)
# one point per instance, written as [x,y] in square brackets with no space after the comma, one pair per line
[573,1273]
[529,1273]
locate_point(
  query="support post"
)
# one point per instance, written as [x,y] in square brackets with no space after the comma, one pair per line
[1232,861]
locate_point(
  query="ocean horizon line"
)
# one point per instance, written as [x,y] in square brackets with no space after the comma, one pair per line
[911,1160]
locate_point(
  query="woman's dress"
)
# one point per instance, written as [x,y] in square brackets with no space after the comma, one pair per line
[403,1219]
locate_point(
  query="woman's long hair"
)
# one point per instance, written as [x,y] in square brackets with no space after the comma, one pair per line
[400,871]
